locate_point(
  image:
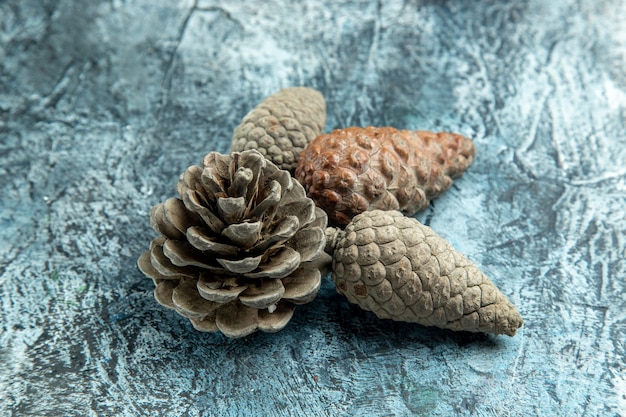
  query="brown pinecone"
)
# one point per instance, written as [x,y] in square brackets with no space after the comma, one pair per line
[239,248]
[398,268]
[282,125]
[356,169]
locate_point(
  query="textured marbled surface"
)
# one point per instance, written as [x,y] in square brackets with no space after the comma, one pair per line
[104,103]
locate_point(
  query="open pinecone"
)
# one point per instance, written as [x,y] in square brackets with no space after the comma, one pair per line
[239,248]
[282,125]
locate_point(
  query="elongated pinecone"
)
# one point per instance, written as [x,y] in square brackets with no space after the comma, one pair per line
[282,125]
[356,169]
[398,268]
[239,248]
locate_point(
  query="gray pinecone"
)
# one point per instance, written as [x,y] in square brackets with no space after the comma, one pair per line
[282,125]
[398,268]
[240,247]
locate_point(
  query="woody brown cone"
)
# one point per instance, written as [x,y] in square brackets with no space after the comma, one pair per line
[356,169]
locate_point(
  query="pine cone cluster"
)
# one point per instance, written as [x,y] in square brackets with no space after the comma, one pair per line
[243,244]
[353,170]
[239,248]
[399,269]
[282,125]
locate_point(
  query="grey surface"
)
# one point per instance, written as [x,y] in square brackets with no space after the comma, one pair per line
[103,104]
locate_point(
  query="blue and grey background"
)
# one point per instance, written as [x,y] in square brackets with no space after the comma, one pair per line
[104,103]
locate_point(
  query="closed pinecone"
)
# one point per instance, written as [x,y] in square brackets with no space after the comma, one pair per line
[239,248]
[282,125]
[356,169]
[398,268]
